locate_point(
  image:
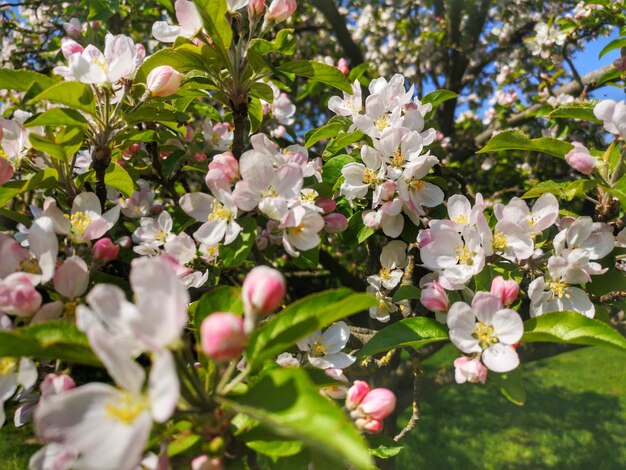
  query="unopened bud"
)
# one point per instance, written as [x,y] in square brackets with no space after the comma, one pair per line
[335,223]
[222,336]
[280,10]
[506,291]
[434,297]
[105,250]
[263,290]
[163,81]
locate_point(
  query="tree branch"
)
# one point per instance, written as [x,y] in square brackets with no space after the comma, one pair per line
[328,8]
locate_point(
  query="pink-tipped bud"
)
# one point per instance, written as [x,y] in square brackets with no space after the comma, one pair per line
[74,28]
[163,81]
[18,295]
[263,290]
[255,7]
[227,164]
[204,462]
[222,336]
[469,370]
[280,10]
[335,223]
[378,403]
[434,297]
[6,171]
[580,159]
[327,205]
[342,65]
[125,242]
[424,238]
[356,393]
[70,47]
[55,384]
[369,425]
[507,291]
[199,156]
[105,250]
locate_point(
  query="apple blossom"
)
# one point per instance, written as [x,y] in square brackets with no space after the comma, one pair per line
[434,297]
[255,7]
[280,10]
[301,228]
[14,373]
[506,291]
[218,216]
[105,251]
[614,116]
[6,170]
[469,370]
[18,295]
[368,407]
[580,159]
[324,349]
[335,223]
[189,19]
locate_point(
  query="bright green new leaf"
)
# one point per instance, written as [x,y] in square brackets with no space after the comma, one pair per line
[216,24]
[302,318]
[438,96]
[285,43]
[357,232]
[237,252]
[73,94]
[413,332]
[327,131]
[510,385]
[23,80]
[102,9]
[118,178]
[517,140]
[317,71]
[58,117]
[406,292]
[572,328]
[331,171]
[614,44]
[577,110]
[288,403]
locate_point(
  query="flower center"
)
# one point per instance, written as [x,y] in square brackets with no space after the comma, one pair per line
[499,241]
[417,185]
[558,288]
[220,213]
[70,309]
[307,198]
[397,159]
[318,349]
[79,221]
[461,219]
[385,274]
[464,255]
[382,122]
[126,407]
[485,335]
[7,365]
[370,177]
[29,265]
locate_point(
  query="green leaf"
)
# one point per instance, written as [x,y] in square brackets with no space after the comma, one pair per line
[438,96]
[183,59]
[284,42]
[213,14]
[23,80]
[118,178]
[308,259]
[510,385]
[323,73]
[102,9]
[566,190]
[357,232]
[517,140]
[58,117]
[331,171]
[287,402]
[262,91]
[237,252]
[43,179]
[255,114]
[275,448]
[220,299]
[406,292]
[65,145]
[302,318]
[50,340]
[383,447]
[73,94]
[577,110]
[332,129]
[337,144]
[614,44]
[572,328]
[413,332]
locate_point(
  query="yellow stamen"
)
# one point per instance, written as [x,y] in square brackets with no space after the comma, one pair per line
[79,221]
[499,242]
[318,349]
[30,265]
[220,213]
[461,219]
[417,185]
[558,288]
[464,255]
[397,159]
[382,122]
[126,408]
[7,365]
[485,335]
[385,274]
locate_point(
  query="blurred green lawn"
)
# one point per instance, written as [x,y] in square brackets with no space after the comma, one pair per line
[574,418]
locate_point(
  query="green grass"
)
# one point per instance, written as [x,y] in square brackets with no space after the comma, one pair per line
[574,418]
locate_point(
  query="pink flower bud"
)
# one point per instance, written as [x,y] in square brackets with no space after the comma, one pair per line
[280,10]
[189,135]
[388,190]
[327,205]
[335,223]
[199,156]
[18,295]
[356,393]
[369,425]
[434,297]
[255,7]
[507,291]
[227,164]
[55,384]
[469,370]
[263,290]
[580,159]
[342,65]
[204,462]
[424,238]
[378,403]
[105,250]
[163,81]
[70,47]
[74,28]
[222,336]
[125,242]
[6,171]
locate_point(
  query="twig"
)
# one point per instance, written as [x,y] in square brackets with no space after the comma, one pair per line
[415,415]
